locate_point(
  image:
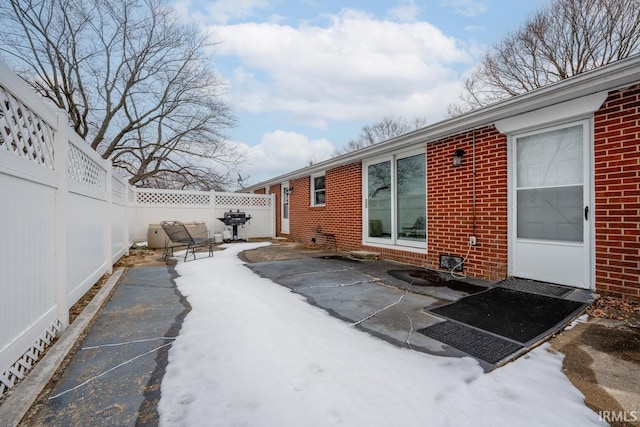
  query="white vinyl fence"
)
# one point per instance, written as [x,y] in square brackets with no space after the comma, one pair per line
[66,219]
[155,206]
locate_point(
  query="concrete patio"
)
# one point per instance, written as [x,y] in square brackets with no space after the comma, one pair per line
[146,305]
[366,294]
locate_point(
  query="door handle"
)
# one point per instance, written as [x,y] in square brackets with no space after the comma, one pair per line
[586,213]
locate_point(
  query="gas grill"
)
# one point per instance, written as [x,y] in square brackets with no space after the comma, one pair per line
[235,219]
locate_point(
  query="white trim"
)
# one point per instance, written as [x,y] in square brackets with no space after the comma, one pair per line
[592,205]
[411,249]
[312,189]
[511,218]
[555,114]
[20,167]
[366,240]
[285,221]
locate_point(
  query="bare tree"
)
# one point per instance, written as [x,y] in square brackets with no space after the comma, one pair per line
[136,83]
[388,127]
[563,39]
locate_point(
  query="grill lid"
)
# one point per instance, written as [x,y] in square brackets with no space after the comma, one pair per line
[235,218]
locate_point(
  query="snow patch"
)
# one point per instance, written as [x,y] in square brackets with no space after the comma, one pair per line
[251,352]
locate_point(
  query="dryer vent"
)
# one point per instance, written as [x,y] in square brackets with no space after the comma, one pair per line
[448,262]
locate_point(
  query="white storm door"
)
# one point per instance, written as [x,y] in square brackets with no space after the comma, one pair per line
[550,205]
[284,209]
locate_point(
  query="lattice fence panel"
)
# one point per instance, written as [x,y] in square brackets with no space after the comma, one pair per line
[24,133]
[153,198]
[85,170]
[20,369]
[236,200]
[118,190]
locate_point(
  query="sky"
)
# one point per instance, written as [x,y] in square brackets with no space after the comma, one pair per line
[303,77]
[251,352]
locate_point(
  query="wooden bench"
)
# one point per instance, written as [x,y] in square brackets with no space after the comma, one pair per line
[178,234]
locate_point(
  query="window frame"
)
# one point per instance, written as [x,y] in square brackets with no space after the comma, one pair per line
[395,241]
[313,190]
[583,184]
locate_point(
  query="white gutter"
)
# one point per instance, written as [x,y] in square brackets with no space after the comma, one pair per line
[607,78]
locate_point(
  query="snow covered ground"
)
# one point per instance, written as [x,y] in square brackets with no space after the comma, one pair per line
[253,353]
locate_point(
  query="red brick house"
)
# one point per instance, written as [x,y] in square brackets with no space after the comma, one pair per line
[545,186]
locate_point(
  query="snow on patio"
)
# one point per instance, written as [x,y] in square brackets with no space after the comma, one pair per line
[253,353]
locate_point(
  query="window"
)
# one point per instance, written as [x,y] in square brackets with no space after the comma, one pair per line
[285,202]
[549,185]
[318,190]
[411,189]
[396,199]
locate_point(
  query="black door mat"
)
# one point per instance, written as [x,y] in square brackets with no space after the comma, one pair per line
[539,288]
[482,345]
[519,316]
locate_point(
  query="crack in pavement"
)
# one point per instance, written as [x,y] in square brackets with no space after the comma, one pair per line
[364,319]
[95,377]
[341,285]
[126,342]
[320,272]
[411,328]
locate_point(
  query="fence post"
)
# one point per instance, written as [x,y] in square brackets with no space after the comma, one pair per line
[212,214]
[132,203]
[273,215]
[61,159]
[127,223]
[109,220]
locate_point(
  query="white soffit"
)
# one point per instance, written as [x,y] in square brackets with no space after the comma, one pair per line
[555,113]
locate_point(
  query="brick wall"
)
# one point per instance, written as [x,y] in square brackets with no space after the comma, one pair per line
[450,207]
[617,194]
[450,213]
[337,224]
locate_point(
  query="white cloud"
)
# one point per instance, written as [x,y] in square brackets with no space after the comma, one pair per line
[280,152]
[408,11]
[355,68]
[467,7]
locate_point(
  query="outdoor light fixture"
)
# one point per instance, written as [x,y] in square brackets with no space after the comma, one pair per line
[290,190]
[457,157]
